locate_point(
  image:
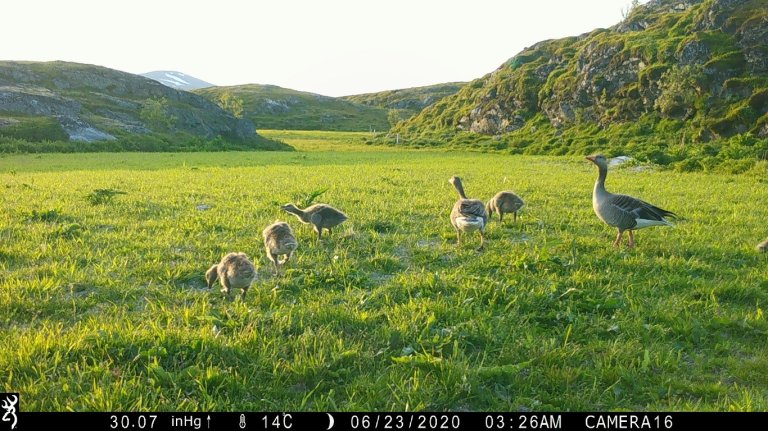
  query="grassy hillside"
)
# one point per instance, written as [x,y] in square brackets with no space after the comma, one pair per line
[61,106]
[316,140]
[407,102]
[273,107]
[104,306]
[678,81]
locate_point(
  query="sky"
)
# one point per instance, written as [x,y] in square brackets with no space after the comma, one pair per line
[329,47]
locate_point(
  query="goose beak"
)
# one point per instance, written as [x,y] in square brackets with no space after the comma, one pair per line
[590,158]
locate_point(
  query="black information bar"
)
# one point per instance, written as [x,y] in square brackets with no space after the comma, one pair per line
[279,421]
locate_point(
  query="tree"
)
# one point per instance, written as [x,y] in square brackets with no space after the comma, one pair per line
[153,112]
[679,90]
[625,13]
[231,103]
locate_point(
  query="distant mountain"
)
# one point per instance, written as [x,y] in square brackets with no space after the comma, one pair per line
[410,101]
[273,107]
[61,101]
[673,75]
[177,80]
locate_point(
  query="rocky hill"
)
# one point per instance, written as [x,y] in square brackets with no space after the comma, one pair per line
[273,107]
[60,101]
[177,80]
[674,75]
[408,101]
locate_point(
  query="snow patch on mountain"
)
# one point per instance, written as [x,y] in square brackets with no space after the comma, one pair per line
[177,80]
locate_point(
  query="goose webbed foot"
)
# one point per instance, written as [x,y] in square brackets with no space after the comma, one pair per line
[482,243]
[617,242]
[631,242]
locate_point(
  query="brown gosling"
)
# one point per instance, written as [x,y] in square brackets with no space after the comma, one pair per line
[279,240]
[763,246]
[320,216]
[504,202]
[234,271]
[468,215]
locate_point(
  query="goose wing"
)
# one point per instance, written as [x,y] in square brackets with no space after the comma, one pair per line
[509,201]
[639,209]
[472,208]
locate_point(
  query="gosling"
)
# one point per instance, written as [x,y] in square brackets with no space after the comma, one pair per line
[279,240]
[320,216]
[234,271]
[504,203]
[763,246]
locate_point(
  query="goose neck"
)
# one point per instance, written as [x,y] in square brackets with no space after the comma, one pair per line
[459,188]
[297,212]
[602,174]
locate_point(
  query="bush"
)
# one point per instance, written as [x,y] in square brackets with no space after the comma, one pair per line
[102,196]
[680,88]
[154,113]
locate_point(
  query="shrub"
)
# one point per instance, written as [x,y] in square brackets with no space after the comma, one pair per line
[102,196]
[153,112]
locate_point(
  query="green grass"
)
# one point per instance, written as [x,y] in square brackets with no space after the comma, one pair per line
[104,307]
[315,140]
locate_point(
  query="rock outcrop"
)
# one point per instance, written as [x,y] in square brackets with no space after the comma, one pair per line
[697,60]
[94,103]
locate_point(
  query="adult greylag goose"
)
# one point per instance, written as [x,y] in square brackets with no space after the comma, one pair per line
[763,246]
[320,216]
[625,213]
[467,215]
[504,203]
[235,271]
[279,240]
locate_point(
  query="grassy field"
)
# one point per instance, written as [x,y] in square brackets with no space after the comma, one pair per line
[104,307]
[312,140]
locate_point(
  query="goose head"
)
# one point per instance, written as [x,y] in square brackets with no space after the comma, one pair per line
[456,181]
[288,207]
[211,275]
[598,159]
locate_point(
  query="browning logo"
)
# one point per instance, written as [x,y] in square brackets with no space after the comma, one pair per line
[10,403]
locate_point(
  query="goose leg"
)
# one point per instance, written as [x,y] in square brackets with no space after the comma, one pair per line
[514,218]
[273,258]
[242,295]
[319,232]
[631,242]
[225,287]
[281,266]
[501,216]
[482,241]
[618,238]
[458,237]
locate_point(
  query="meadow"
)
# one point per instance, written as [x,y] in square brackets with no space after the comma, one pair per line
[104,305]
